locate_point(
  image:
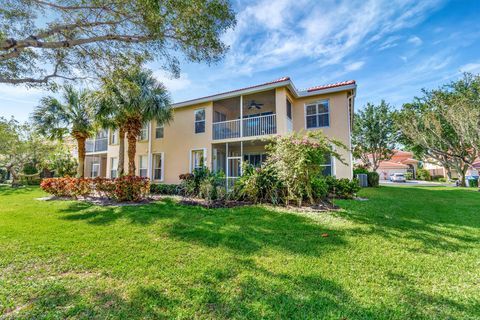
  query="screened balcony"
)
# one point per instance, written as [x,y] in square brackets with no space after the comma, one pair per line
[245,116]
[99,143]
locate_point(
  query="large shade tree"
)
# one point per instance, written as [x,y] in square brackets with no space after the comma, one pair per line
[128,99]
[374,134]
[44,40]
[73,116]
[444,124]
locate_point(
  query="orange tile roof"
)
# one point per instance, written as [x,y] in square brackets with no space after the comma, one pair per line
[331,85]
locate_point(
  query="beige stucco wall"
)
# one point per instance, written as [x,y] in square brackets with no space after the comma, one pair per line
[180,138]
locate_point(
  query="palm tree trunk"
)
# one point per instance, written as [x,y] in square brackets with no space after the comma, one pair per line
[81,157]
[121,152]
[132,149]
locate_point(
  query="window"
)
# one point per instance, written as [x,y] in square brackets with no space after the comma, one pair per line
[159,131]
[317,115]
[219,116]
[199,120]
[327,166]
[142,166]
[158,166]
[113,167]
[197,159]
[114,137]
[289,109]
[95,168]
[143,133]
[255,160]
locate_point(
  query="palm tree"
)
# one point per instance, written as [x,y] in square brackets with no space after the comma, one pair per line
[75,116]
[129,99]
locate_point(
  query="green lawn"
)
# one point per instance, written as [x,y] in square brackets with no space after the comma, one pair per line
[407,253]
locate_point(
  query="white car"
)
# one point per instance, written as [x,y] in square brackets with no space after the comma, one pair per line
[398,177]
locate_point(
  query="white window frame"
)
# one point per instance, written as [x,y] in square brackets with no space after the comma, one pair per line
[331,165]
[140,165]
[162,156]
[291,109]
[159,126]
[113,168]
[195,120]
[316,103]
[94,164]
[146,133]
[191,158]
[114,137]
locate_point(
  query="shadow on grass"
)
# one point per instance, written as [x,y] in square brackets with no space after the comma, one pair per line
[447,219]
[246,229]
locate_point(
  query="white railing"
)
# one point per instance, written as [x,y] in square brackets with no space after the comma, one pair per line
[226,129]
[254,126]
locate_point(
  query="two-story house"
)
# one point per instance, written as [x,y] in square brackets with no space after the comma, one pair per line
[223,130]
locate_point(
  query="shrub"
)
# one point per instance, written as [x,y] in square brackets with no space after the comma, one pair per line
[442,179]
[259,185]
[67,187]
[167,189]
[360,170]
[409,175]
[342,188]
[423,174]
[373,179]
[121,189]
[319,188]
[3,175]
[473,183]
[105,187]
[30,179]
[202,183]
[296,159]
[131,188]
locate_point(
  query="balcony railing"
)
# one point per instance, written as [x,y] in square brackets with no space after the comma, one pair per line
[96,145]
[254,126]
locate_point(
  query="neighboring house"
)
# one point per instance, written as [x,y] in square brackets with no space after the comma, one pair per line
[437,170]
[400,162]
[223,130]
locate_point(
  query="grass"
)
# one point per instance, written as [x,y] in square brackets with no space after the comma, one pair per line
[406,253]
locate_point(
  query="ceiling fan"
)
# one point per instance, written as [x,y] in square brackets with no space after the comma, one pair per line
[254,104]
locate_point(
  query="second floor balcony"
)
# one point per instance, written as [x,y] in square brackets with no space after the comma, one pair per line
[97,144]
[245,116]
[246,127]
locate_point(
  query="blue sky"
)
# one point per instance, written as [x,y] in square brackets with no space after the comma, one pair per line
[392,49]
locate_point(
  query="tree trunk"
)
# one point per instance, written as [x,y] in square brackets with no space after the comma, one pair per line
[13,173]
[121,152]
[463,172]
[81,157]
[132,149]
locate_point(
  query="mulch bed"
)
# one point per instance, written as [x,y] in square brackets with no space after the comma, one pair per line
[209,204]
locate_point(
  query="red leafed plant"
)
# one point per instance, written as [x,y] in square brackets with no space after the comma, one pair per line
[127,188]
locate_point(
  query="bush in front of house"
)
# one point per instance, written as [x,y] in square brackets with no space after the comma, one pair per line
[126,188]
[409,175]
[473,183]
[131,188]
[423,174]
[204,184]
[165,189]
[67,187]
[259,185]
[342,188]
[373,179]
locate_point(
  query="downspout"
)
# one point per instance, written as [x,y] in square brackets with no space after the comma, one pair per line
[351,101]
[149,150]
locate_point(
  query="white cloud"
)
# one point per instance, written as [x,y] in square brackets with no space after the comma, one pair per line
[272,34]
[471,67]
[415,40]
[173,84]
[354,66]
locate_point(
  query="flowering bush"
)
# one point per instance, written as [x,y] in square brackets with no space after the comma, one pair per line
[105,187]
[125,188]
[296,159]
[67,187]
[131,188]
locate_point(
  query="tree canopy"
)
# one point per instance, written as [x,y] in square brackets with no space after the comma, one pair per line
[444,123]
[374,134]
[43,40]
